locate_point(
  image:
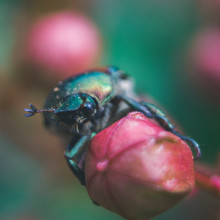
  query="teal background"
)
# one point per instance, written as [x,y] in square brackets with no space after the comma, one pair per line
[149,40]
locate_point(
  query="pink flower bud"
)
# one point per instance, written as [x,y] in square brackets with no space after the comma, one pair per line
[210,9]
[205,62]
[137,169]
[207,53]
[63,43]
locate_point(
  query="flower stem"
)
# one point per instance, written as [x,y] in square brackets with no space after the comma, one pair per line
[207,180]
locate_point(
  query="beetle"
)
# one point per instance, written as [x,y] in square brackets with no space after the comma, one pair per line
[87,103]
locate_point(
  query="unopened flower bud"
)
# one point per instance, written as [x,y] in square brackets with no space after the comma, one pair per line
[205,63]
[137,169]
[63,43]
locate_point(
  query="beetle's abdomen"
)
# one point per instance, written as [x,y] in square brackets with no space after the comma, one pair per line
[96,84]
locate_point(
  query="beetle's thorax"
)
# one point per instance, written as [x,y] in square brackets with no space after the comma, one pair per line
[96,84]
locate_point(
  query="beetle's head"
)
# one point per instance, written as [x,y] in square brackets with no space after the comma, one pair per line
[74,109]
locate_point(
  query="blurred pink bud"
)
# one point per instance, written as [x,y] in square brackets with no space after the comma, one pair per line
[210,8]
[137,169]
[63,43]
[205,59]
[207,53]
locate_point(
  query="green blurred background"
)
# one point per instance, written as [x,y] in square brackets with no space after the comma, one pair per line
[149,39]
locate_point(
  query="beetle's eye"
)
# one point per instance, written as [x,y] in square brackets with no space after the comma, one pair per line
[88,109]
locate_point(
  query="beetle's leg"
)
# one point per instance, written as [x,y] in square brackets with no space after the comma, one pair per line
[154,109]
[75,149]
[165,123]
[134,105]
[151,111]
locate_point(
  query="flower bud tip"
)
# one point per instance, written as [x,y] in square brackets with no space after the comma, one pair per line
[102,166]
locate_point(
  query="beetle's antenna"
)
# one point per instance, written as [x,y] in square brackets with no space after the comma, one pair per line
[33,110]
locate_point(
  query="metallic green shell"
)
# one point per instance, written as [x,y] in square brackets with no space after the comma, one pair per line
[96,84]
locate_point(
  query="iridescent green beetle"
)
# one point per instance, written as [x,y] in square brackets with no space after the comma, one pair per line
[87,103]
